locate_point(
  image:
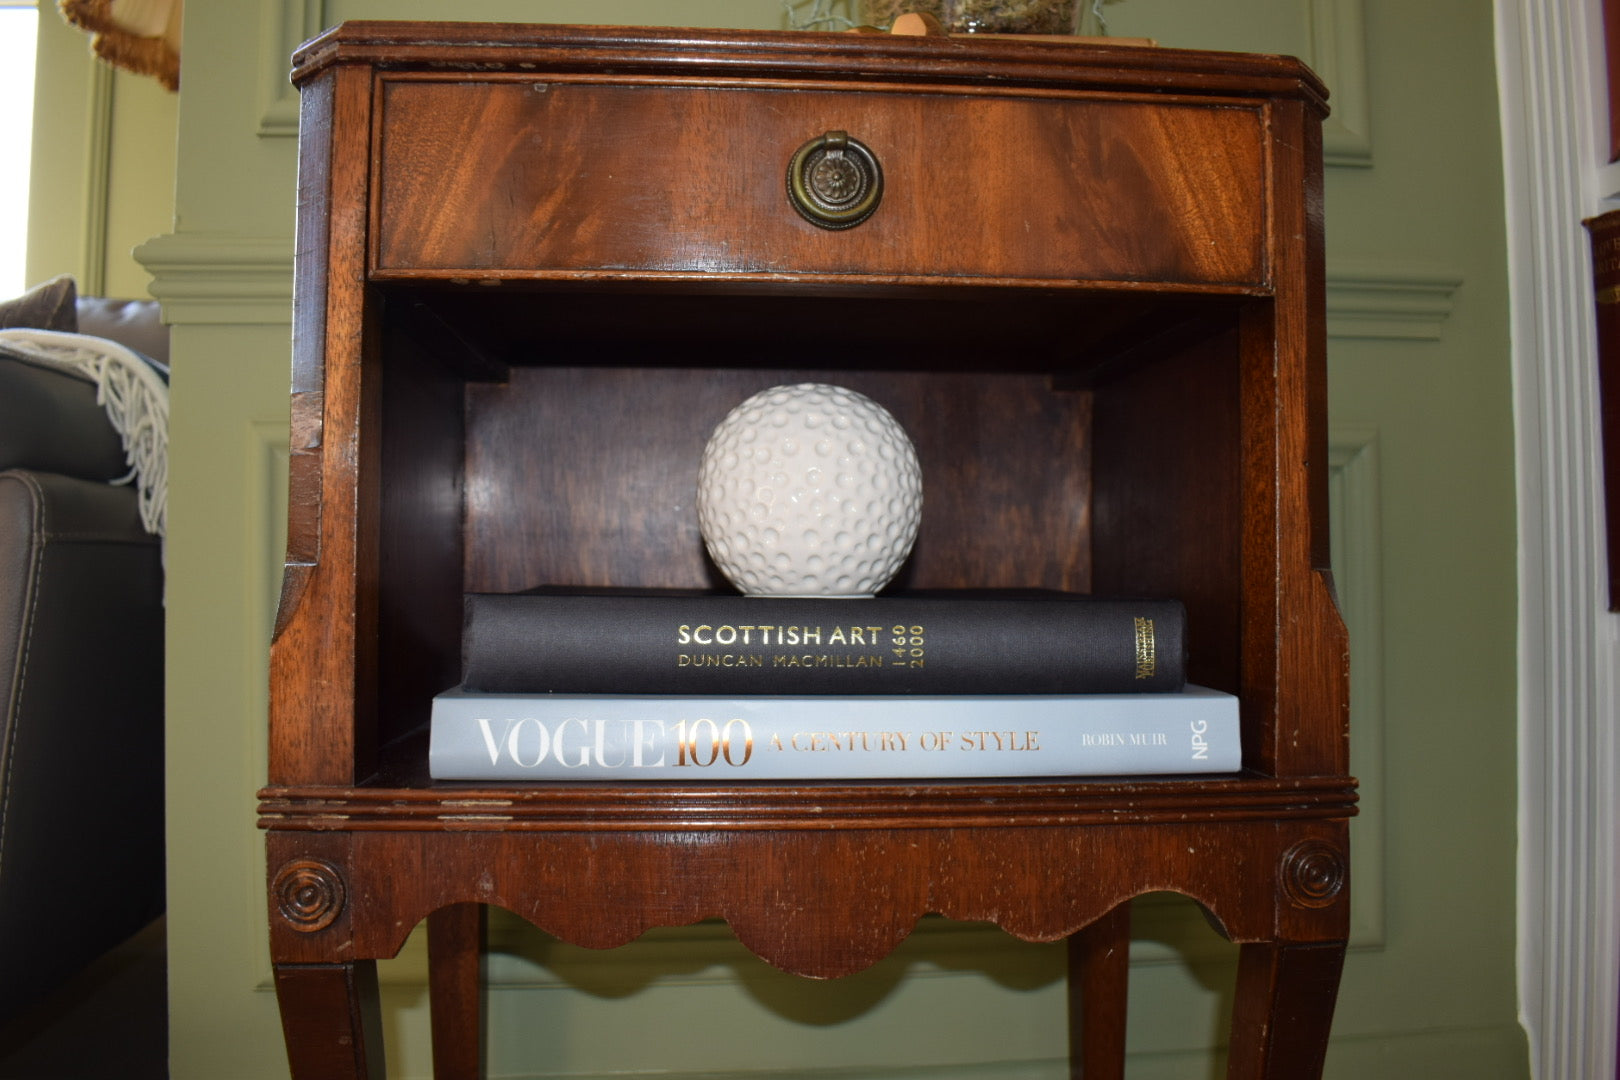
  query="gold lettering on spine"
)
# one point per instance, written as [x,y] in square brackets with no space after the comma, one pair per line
[1147,657]
[718,660]
[771,634]
[849,741]
[702,742]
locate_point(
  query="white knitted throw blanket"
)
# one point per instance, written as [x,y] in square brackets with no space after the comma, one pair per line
[136,399]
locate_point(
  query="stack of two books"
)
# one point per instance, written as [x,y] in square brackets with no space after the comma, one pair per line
[698,687]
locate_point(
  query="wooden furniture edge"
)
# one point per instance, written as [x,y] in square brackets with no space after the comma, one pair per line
[1001,61]
[826,805]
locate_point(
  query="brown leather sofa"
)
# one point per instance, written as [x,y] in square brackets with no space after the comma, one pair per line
[81,663]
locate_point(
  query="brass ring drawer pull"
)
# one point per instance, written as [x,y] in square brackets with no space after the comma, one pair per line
[834,181]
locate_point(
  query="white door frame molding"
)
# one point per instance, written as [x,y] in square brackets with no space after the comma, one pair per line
[1550,79]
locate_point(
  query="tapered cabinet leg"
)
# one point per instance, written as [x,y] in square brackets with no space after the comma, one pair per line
[1099,979]
[331,1020]
[1283,1010]
[455,990]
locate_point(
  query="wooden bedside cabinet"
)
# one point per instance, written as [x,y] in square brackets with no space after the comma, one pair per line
[537,264]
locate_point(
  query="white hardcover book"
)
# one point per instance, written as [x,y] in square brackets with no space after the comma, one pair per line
[719,739]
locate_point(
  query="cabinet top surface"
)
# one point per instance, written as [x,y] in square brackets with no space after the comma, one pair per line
[672,52]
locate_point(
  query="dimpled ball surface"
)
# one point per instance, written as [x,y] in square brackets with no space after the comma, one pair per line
[809,490]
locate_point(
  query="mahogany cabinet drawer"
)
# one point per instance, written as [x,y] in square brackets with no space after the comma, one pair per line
[504,176]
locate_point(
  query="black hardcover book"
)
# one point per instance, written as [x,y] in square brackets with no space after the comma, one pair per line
[701,643]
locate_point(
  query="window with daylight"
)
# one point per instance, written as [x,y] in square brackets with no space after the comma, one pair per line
[19,27]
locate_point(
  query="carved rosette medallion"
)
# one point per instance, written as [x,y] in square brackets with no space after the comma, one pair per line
[309,894]
[836,179]
[1313,873]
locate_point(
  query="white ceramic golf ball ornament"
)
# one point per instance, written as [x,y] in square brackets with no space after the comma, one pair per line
[809,490]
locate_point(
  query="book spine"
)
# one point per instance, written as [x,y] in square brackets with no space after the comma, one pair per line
[718,740]
[738,645]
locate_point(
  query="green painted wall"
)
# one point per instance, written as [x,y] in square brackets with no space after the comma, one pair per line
[1435,407]
[1424,539]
